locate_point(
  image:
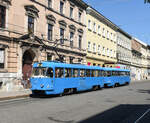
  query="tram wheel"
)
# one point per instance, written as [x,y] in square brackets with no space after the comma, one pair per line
[95,88]
[61,94]
[116,84]
[113,86]
[127,83]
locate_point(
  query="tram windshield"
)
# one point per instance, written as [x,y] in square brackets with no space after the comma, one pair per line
[42,72]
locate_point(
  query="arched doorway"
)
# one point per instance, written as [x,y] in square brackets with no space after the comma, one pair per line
[27,61]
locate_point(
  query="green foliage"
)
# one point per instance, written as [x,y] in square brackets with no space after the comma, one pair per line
[146,1]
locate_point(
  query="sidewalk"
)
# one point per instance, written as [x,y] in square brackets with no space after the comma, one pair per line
[14,94]
[147,80]
[26,93]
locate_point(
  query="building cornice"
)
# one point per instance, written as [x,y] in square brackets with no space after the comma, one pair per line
[124,33]
[101,18]
[80,3]
[139,41]
[103,60]
[5,38]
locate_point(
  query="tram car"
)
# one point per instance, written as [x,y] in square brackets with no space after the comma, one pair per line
[52,78]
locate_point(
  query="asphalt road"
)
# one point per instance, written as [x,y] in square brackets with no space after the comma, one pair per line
[125,104]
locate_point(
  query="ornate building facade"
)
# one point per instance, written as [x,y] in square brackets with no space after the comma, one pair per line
[40,30]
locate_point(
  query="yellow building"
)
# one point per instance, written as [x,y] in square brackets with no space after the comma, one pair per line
[100,39]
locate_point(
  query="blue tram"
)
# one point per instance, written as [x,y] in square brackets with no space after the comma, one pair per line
[115,77]
[59,78]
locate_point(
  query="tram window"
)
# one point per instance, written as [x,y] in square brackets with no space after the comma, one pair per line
[39,71]
[68,73]
[118,73]
[100,73]
[104,73]
[93,73]
[97,74]
[128,73]
[35,72]
[75,72]
[122,73]
[59,72]
[113,73]
[87,73]
[82,73]
[49,72]
[108,73]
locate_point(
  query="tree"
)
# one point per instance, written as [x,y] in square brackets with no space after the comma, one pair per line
[146,1]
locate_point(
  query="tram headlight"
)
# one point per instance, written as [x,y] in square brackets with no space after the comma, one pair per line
[42,85]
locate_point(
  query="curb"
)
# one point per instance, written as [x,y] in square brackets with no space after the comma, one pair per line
[14,97]
[28,94]
[135,81]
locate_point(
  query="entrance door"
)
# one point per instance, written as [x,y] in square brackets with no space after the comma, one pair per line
[27,71]
[27,67]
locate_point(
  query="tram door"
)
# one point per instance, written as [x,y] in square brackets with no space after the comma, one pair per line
[82,79]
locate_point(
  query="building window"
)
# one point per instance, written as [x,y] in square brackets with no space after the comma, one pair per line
[103,32]
[89,24]
[2,16]
[94,64]
[50,32]
[79,16]
[94,27]
[49,4]
[71,12]
[111,53]
[89,46]
[114,54]
[107,34]
[99,30]
[61,7]
[71,60]
[99,49]
[103,50]
[71,39]
[114,37]
[49,57]
[107,52]
[79,60]
[111,36]
[94,47]
[30,24]
[2,58]
[80,41]
[62,35]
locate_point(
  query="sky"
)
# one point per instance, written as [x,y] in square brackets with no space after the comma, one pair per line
[133,16]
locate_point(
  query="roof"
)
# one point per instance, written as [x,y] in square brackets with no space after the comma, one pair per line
[116,69]
[78,66]
[59,64]
[141,42]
